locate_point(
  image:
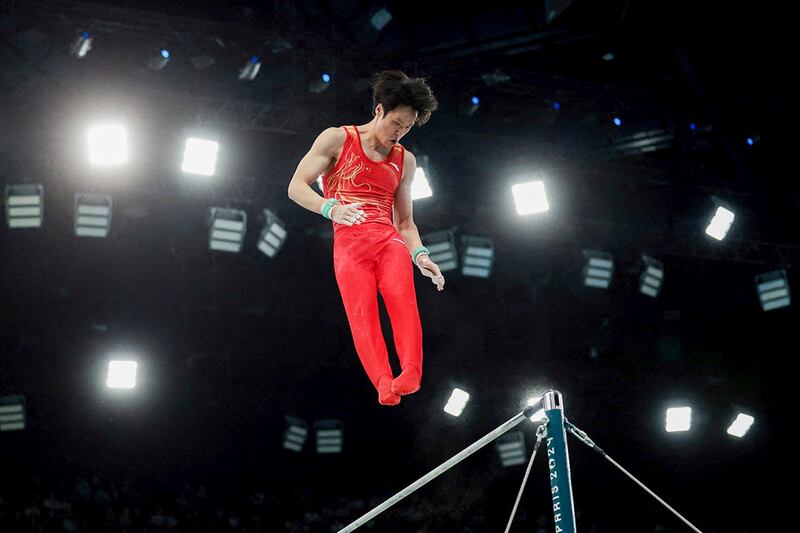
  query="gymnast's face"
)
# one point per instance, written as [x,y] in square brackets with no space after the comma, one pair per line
[392,126]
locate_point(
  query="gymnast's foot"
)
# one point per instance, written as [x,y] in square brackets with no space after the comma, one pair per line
[407,382]
[385,394]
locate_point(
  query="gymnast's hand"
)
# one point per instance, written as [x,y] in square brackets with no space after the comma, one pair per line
[348,214]
[431,270]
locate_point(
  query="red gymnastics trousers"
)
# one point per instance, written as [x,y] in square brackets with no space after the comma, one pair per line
[371,258]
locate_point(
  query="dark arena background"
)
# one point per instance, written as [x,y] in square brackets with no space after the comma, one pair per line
[643,125]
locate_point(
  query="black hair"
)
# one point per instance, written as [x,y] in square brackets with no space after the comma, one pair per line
[392,88]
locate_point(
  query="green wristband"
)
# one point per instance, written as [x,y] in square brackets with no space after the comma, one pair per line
[327,206]
[419,250]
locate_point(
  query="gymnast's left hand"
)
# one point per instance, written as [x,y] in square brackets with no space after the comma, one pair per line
[431,270]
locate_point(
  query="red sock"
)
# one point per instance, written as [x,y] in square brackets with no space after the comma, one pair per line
[407,382]
[385,394]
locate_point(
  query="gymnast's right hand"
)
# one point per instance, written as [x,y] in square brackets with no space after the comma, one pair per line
[348,214]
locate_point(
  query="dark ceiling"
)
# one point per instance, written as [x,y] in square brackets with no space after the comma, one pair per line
[230,343]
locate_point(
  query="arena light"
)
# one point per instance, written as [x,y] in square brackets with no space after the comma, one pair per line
[228,228]
[511,448]
[457,402]
[272,236]
[108,145]
[295,435]
[200,157]
[121,374]
[773,290]
[599,269]
[24,206]
[250,69]
[741,425]
[82,45]
[442,248]
[478,256]
[329,436]
[92,215]
[530,197]
[471,105]
[12,413]
[652,277]
[679,419]
[321,83]
[721,223]
[420,187]
[159,60]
